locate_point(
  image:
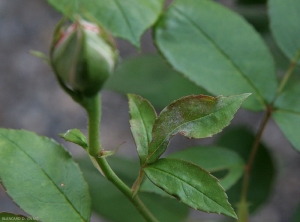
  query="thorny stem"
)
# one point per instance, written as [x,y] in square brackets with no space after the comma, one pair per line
[243,208]
[92,106]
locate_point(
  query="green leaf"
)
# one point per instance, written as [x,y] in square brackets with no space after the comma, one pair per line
[142,118]
[287,36]
[289,98]
[194,117]
[148,187]
[42,178]
[287,113]
[75,136]
[280,59]
[289,123]
[218,50]
[105,203]
[151,77]
[190,184]
[214,159]
[125,19]
[4,216]
[262,175]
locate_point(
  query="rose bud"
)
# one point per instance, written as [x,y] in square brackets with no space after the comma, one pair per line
[83,56]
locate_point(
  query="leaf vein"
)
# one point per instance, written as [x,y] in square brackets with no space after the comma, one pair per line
[222,52]
[190,185]
[18,147]
[171,133]
[125,17]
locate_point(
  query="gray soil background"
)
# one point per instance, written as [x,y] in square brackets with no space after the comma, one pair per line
[31,99]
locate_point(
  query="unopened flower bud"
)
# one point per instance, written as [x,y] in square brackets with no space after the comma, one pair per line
[83,56]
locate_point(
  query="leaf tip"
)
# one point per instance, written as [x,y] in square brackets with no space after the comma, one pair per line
[129,95]
[233,214]
[246,95]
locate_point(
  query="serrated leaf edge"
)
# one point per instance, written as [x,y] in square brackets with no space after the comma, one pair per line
[65,151]
[177,197]
[171,134]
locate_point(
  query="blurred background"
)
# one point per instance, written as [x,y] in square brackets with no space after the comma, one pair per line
[31,99]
